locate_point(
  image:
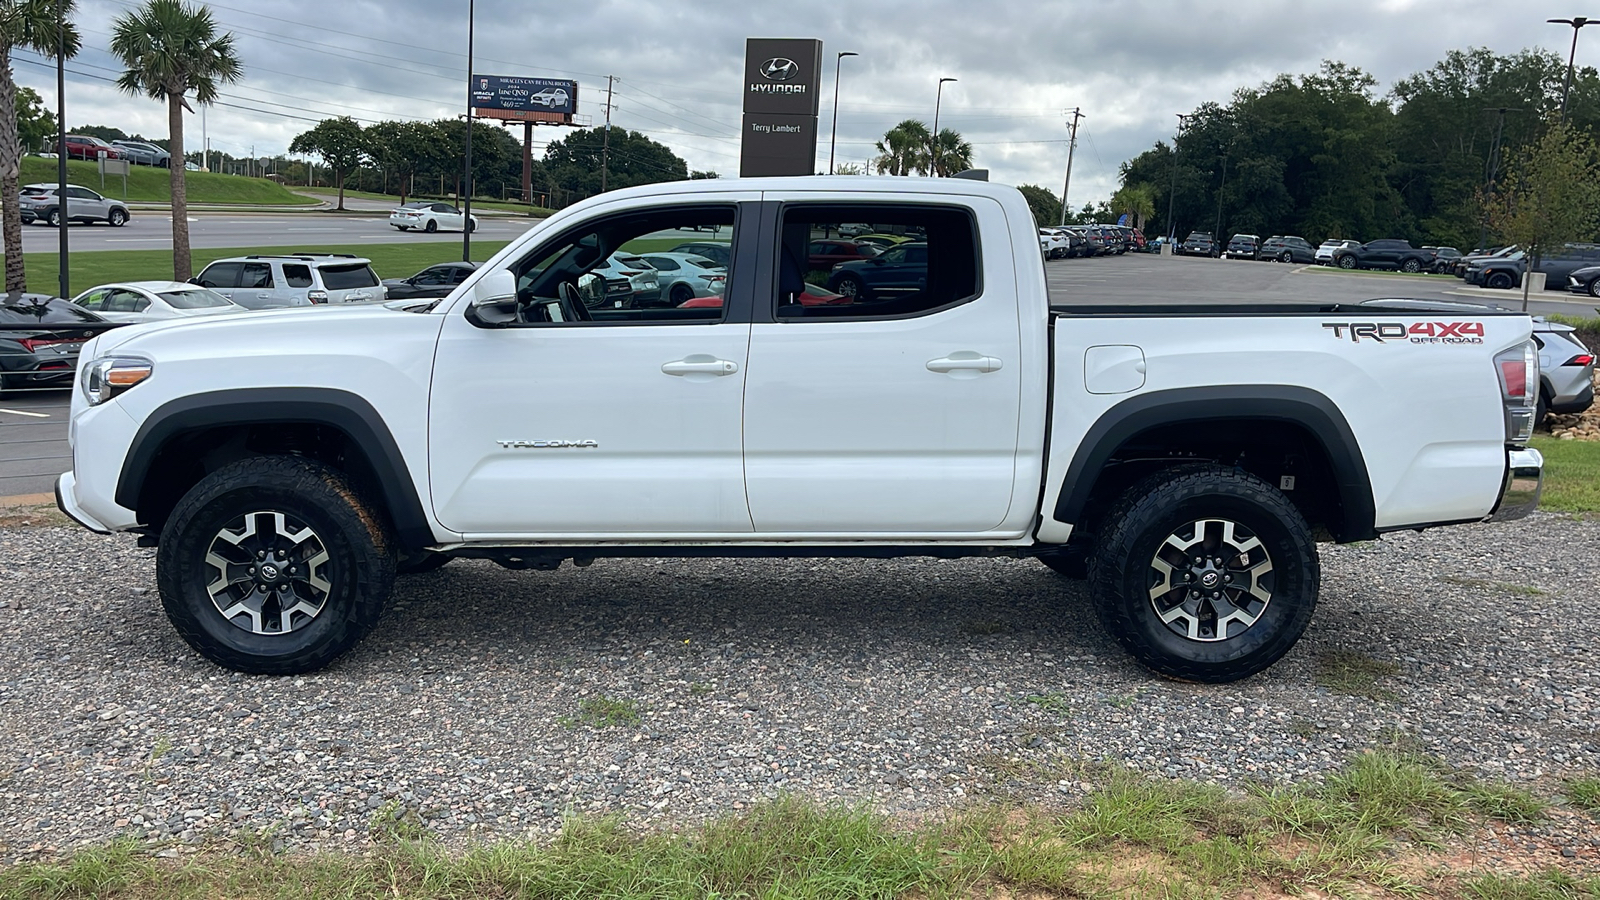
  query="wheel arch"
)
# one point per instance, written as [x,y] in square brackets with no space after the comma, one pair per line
[184,438]
[1278,412]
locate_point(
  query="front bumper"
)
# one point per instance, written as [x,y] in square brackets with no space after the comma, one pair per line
[1524,482]
[68,504]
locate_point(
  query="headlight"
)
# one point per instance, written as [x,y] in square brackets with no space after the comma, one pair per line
[110,376]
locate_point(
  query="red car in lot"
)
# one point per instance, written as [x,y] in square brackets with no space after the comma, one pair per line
[812,296]
[85,147]
[826,254]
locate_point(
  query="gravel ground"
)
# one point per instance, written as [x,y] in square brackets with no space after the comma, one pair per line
[914,685]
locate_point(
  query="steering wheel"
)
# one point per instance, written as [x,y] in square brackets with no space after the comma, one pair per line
[573,309]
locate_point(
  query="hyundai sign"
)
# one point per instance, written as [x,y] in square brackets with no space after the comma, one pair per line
[552,95]
[781,77]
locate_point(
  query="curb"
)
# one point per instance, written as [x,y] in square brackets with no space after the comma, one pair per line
[29,500]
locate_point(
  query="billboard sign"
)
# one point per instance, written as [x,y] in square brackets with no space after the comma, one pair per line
[551,95]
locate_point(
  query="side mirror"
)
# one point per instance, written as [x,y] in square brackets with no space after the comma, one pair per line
[494,300]
[591,288]
[195,280]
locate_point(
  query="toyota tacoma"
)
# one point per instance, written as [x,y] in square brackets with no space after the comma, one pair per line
[1185,459]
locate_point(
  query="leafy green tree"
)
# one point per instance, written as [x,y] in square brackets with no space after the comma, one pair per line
[904,149]
[36,125]
[1552,195]
[107,133]
[572,164]
[405,149]
[169,50]
[1137,200]
[951,154]
[1044,203]
[24,25]
[341,144]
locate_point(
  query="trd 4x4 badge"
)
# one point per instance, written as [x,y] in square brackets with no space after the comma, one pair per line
[1416,333]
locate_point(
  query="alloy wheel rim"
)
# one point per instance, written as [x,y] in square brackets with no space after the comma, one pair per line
[272,573]
[1210,580]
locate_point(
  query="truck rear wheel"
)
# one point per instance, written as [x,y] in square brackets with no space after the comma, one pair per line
[1205,573]
[273,566]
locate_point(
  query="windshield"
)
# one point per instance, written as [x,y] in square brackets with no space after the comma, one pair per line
[345,277]
[49,312]
[195,298]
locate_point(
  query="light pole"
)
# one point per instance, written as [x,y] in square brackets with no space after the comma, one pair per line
[933,145]
[833,139]
[466,205]
[61,145]
[1172,181]
[1577,23]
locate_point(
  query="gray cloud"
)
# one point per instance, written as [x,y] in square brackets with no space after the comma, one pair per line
[1130,65]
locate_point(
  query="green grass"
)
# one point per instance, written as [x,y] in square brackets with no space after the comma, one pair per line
[1571,475]
[102,266]
[149,184]
[1585,793]
[1355,674]
[1131,836]
[605,712]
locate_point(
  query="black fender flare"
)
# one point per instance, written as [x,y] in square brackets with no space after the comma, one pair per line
[347,412]
[1307,408]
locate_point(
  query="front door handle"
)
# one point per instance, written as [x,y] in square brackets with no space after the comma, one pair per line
[700,364]
[964,361]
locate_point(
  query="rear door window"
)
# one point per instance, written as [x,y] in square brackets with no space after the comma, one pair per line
[297,276]
[256,275]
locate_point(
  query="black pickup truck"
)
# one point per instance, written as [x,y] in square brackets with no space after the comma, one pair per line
[1386,254]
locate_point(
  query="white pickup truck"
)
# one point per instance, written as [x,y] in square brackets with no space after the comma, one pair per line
[1185,459]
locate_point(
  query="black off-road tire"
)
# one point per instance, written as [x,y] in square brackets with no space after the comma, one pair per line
[1121,575]
[360,568]
[1069,561]
[1500,281]
[418,563]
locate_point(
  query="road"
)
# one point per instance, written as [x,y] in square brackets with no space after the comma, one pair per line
[33,427]
[153,231]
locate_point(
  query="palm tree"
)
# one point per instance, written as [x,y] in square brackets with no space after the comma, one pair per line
[171,49]
[904,149]
[30,25]
[951,154]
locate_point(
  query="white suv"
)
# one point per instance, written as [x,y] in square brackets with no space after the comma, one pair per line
[300,279]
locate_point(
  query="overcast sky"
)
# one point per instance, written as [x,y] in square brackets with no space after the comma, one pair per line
[1130,65]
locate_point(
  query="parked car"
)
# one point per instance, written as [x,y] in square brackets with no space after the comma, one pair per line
[718,252]
[429,216]
[1078,243]
[1200,243]
[40,337]
[1053,243]
[82,146]
[143,153]
[965,419]
[1558,267]
[685,276]
[1389,253]
[1328,248]
[1138,243]
[1566,370]
[1288,248]
[1459,267]
[884,241]
[630,283]
[434,281]
[902,268]
[40,205]
[823,255]
[297,279]
[811,296]
[131,302]
[1244,246]
[854,229]
[1585,281]
[1443,258]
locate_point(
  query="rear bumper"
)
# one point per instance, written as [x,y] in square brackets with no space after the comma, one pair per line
[68,504]
[1578,404]
[1524,482]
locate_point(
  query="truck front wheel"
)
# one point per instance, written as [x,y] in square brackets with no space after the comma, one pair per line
[273,566]
[1205,573]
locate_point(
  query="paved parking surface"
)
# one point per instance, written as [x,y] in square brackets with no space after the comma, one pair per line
[153,231]
[33,441]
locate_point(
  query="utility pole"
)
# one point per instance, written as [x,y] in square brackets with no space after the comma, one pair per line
[1072,144]
[1216,233]
[1493,172]
[1172,181]
[605,147]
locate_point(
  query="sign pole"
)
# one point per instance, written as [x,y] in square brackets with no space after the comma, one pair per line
[466,209]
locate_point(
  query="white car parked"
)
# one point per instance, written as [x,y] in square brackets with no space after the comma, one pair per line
[630,283]
[1053,243]
[429,216]
[1328,248]
[685,276]
[151,301]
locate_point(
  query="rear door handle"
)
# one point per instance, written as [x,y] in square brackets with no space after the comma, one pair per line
[964,361]
[700,364]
